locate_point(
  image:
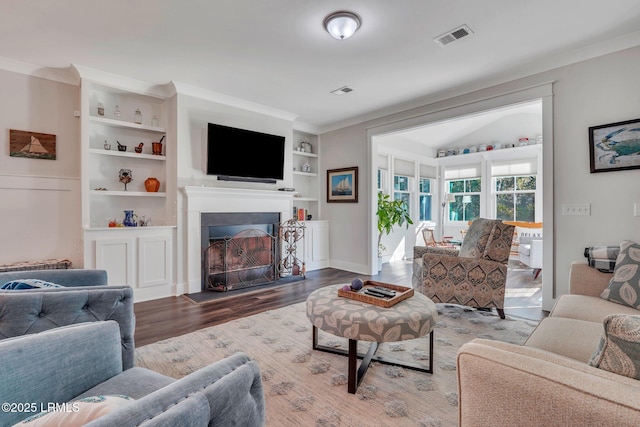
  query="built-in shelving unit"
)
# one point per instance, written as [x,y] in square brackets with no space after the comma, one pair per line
[104,140]
[306,172]
[141,257]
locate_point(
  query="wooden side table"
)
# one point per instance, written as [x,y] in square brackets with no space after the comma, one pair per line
[412,318]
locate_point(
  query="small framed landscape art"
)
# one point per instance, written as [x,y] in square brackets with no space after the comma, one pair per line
[615,146]
[342,185]
[32,145]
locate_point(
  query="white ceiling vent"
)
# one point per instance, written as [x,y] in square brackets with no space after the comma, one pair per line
[453,35]
[342,90]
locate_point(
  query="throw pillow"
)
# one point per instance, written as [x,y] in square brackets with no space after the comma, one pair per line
[476,238]
[624,287]
[77,413]
[619,347]
[29,284]
[499,243]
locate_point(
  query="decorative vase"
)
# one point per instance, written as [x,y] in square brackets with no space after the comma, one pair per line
[152,185]
[130,219]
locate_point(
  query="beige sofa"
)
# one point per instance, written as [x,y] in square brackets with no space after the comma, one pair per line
[547,381]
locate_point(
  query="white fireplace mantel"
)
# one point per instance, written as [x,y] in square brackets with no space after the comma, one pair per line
[217,199]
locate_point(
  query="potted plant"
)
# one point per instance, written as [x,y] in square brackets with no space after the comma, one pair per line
[390,213]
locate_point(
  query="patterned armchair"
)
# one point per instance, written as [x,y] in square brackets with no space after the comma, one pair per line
[475,275]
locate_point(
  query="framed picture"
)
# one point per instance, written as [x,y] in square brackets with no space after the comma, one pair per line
[32,145]
[342,185]
[615,146]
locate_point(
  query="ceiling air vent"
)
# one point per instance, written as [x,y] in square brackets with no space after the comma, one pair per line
[342,90]
[453,35]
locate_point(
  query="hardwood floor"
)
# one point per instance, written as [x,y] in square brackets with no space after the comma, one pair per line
[168,317]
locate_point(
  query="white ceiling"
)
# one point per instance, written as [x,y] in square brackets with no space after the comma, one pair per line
[276,53]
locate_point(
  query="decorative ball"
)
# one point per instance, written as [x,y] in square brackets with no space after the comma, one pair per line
[346,288]
[357,284]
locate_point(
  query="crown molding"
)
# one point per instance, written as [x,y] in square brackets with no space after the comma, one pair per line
[306,128]
[209,95]
[62,75]
[122,82]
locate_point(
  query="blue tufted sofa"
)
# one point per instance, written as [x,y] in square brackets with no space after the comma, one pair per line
[86,297]
[65,364]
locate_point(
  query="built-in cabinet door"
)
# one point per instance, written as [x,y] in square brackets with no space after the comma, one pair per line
[116,256]
[316,245]
[142,257]
[154,260]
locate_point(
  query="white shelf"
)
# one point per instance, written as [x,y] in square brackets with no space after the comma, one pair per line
[305,199]
[305,154]
[127,193]
[117,153]
[305,173]
[128,125]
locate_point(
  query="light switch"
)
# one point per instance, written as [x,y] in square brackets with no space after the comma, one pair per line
[576,209]
[636,209]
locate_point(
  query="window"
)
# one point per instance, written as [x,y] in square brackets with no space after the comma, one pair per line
[401,189]
[516,198]
[425,199]
[466,206]
[382,180]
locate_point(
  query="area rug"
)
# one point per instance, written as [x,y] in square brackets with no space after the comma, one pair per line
[304,387]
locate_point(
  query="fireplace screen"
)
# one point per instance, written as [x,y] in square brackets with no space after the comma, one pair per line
[244,260]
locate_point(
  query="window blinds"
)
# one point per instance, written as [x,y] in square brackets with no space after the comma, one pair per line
[383,162]
[462,172]
[514,167]
[428,171]
[403,167]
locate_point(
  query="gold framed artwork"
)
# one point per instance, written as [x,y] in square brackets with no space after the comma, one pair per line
[342,185]
[32,145]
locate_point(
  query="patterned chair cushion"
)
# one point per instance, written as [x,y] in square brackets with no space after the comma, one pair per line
[477,237]
[619,347]
[499,243]
[465,281]
[624,287]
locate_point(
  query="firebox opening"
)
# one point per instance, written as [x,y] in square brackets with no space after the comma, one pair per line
[241,260]
[240,250]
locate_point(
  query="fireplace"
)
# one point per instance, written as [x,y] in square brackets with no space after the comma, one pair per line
[239,249]
[201,200]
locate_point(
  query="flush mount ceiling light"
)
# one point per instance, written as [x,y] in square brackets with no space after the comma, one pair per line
[341,25]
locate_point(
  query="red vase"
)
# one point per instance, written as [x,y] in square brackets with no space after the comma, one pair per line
[152,185]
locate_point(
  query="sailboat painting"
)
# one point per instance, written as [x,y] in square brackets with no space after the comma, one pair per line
[342,185]
[32,145]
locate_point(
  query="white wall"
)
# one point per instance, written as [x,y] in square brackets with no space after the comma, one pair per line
[603,90]
[598,91]
[349,233]
[40,208]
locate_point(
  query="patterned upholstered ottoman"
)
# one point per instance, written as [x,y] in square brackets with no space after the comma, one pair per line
[412,318]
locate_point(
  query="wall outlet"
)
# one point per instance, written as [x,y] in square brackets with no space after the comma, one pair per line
[576,209]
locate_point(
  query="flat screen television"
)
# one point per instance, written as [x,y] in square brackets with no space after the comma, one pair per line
[243,155]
